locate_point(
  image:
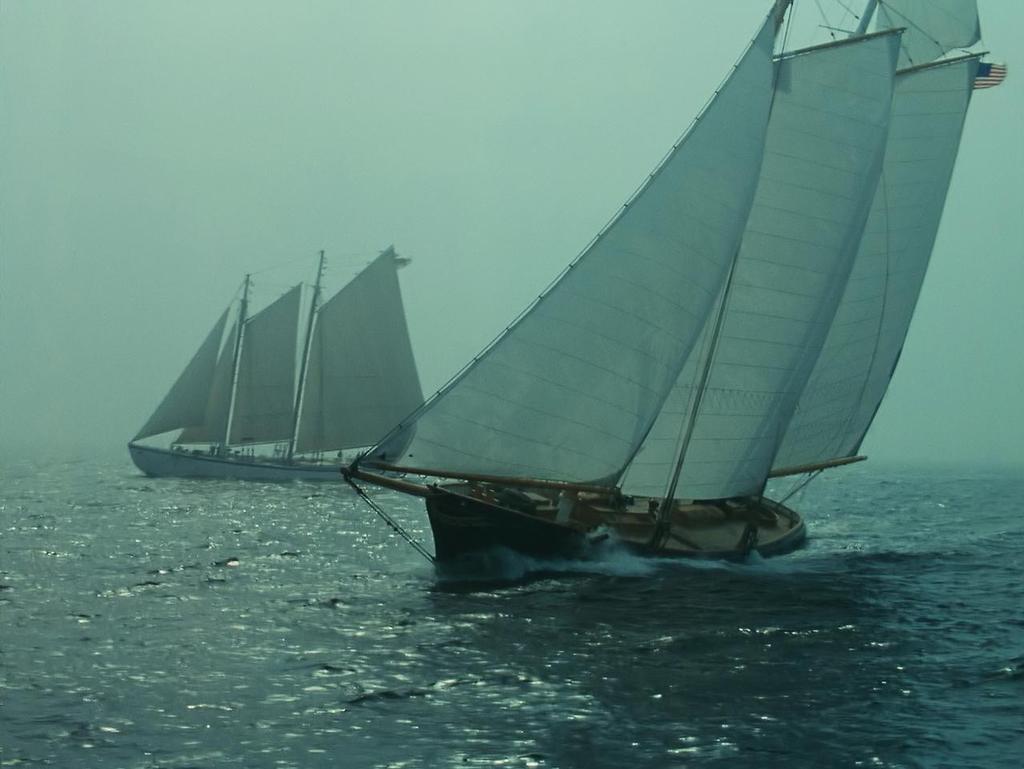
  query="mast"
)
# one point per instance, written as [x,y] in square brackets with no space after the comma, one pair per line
[665,509]
[305,356]
[243,309]
[779,14]
[865,18]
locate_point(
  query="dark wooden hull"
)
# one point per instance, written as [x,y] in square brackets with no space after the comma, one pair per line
[464,524]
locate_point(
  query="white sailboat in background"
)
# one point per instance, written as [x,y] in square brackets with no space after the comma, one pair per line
[246,409]
[738,320]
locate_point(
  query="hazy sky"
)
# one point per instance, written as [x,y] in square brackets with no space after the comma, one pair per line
[153,152]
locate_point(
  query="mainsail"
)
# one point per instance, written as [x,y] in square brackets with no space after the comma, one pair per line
[265,387]
[185,403]
[871,323]
[361,377]
[571,389]
[823,155]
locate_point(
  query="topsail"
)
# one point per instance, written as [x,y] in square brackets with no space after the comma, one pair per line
[932,27]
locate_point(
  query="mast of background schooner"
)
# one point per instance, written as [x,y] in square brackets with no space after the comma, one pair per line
[313,306]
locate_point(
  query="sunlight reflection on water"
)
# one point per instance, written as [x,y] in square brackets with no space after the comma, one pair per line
[184,623]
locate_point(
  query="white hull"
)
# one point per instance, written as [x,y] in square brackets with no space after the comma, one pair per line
[180,464]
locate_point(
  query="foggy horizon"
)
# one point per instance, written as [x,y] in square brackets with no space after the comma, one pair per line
[154,153]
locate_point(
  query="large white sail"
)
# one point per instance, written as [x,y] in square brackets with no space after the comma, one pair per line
[185,403]
[824,149]
[654,465]
[265,384]
[361,377]
[215,418]
[864,343]
[932,27]
[570,390]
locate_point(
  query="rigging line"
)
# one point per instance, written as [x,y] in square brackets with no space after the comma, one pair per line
[828,25]
[281,265]
[840,26]
[910,23]
[848,9]
[351,269]
[391,522]
[275,286]
[800,486]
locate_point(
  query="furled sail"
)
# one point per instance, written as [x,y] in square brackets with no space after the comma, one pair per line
[215,418]
[871,323]
[823,155]
[569,390]
[932,27]
[185,403]
[265,385]
[361,378]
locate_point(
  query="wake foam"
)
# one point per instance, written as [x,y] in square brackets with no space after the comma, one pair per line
[606,555]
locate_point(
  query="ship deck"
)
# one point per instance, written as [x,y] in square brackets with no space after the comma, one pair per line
[720,529]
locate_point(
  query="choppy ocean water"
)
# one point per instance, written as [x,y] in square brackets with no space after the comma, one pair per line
[170,623]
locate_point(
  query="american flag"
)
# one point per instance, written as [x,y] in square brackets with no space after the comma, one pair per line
[989,75]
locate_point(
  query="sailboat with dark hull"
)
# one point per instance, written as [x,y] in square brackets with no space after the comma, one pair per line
[247,409]
[738,320]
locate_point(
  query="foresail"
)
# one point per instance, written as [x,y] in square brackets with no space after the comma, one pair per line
[932,27]
[265,389]
[361,377]
[185,403]
[864,343]
[822,161]
[569,391]
[215,417]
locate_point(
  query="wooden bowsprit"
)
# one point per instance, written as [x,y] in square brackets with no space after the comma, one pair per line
[395,525]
